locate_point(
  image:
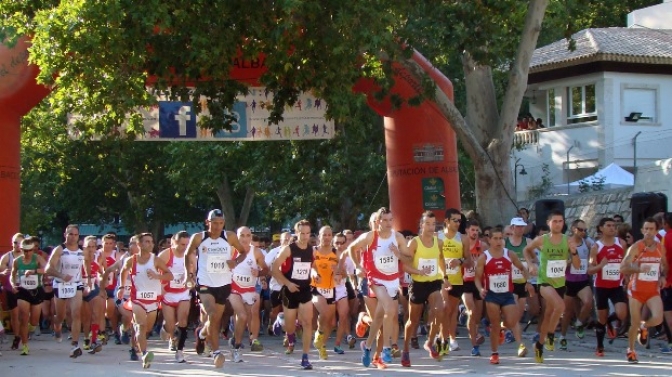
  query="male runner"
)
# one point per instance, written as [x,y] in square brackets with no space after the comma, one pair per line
[6,263]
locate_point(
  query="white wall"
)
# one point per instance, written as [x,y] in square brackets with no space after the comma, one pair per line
[654,17]
[656,177]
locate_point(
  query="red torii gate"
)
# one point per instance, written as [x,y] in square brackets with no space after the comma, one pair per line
[420,144]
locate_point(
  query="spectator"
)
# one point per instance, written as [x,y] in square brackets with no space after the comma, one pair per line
[618,219]
[540,124]
[625,234]
[522,124]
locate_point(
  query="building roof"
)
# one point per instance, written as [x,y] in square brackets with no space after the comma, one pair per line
[615,44]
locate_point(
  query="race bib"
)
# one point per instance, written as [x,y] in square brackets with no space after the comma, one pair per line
[301,270]
[430,264]
[326,292]
[454,270]
[652,274]
[582,270]
[146,295]
[28,282]
[517,274]
[217,264]
[498,283]
[387,264]
[469,272]
[556,268]
[245,280]
[177,282]
[407,278]
[66,290]
[611,272]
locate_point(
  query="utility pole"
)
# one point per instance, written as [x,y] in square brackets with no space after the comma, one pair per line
[634,155]
[567,167]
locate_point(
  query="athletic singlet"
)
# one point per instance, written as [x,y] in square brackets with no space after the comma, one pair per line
[28,282]
[553,262]
[469,274]
[72,262]
[325,264]
[427,257]
[379,261]
[242,279]
[609,276]
[497,273]
[111,277]
[269,259]
[453,249]
[212,269]
[127,284]
[647,282]
[144,289]
[581,273]
[176,266]
[517,275]
[95,270]
[297,266]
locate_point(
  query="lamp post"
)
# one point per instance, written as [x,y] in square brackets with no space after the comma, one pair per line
[567,167]
[634,156]
[515,175]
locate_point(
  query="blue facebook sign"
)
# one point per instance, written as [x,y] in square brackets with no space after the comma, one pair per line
[176,120]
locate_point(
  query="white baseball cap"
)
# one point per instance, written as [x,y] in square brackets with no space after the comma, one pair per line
[518,221]
[214,214]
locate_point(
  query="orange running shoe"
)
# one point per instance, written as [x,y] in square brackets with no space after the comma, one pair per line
[643,336]
[361,327]
[378,363]
[494,359]
[599,352]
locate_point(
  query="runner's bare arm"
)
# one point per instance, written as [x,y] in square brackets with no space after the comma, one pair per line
[53,263]
[478,279]
[593,266]
[165,274]
[192,247]
[628,266]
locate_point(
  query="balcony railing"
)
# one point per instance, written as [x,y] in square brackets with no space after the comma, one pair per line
[523,138]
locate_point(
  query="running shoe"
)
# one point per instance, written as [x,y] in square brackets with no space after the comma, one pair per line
[351,342]
[87,345]
[319,340]
[378,363]
[414,343]
[179,357]
[366,354]
[580,333]
[147,359]
[172,344]
[666,348]
[277,327]
[599,352]
[219,359]
[508,338]
[549,344]
[200,343]
[502,336]
[443,349]
[95,347]
[643,336]
[118,339]
[454,346]
[494,358]
[396,352]
[237,357]
[387,355]
[125,338]
[338,350]
[305,364]
[76,351]
[405,359]
[563,344]
[538,353]
[322,352]
[535,337]
[431,349]
[361,327]
[17,340]
[522,350]
[631,356]
[24,350]
[475,351]
[611,332]
[133,354]
[256,346]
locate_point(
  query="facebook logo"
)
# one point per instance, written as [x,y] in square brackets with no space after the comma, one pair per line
[176,120]
[239,126]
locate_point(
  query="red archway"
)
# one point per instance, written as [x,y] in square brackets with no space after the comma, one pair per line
[421,147]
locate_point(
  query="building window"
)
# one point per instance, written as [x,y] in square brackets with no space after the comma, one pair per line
[641,103]
[551,108]
[581,104]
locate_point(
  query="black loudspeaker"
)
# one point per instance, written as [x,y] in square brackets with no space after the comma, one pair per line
[643,205]
[543,207]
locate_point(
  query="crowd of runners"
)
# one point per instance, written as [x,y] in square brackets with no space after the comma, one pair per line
[353,284]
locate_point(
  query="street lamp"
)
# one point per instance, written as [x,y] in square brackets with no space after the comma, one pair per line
[515,175]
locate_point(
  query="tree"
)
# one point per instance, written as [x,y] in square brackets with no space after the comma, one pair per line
[112,47]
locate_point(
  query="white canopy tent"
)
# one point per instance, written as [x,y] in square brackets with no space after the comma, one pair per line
[614,177]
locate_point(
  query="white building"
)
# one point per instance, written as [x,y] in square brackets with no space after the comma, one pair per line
[614,88]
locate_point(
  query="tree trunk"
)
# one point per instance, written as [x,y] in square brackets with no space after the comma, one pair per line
[226,201]
[247,206]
